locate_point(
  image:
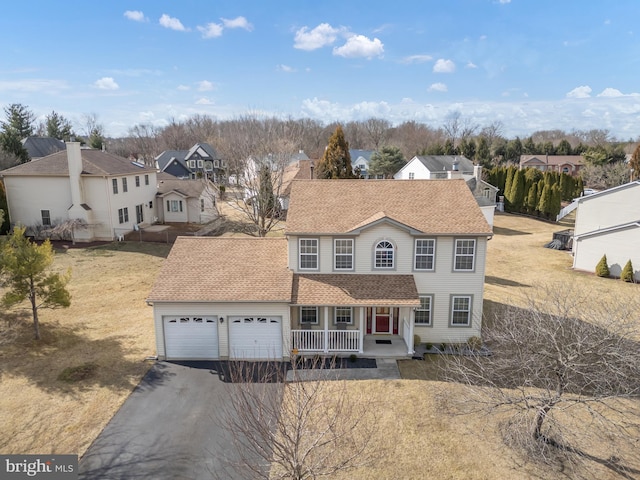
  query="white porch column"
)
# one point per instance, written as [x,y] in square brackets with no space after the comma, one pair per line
[361,339]
[326,329]
[412,318]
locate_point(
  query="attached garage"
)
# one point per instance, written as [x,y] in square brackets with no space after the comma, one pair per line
[191,337]
[253,337]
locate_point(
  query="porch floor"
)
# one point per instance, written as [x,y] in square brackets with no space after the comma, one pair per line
[397,349]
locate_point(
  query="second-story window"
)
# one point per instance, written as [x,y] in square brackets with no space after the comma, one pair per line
[343,253]
[114,183]
[146,179]
[137,180]
[425,254]
[124,184]
[308,248]
[384,255]
[464,255]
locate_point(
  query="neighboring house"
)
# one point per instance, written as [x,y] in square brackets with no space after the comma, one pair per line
[427,167]
[186,201]
[403,259]
[201,160]
[569,164]
[608,222]
[361,162]
[299,170]
[109,193]
[38,147]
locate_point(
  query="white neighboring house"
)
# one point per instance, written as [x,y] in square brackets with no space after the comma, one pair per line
[429,167]
[109,193]
[185,201]
[608,222]
[404,262]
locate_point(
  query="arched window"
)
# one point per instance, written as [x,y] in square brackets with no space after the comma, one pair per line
[384,254]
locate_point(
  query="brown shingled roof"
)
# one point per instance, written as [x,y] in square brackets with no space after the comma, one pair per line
[209,269]
[341,206]
[94,162]
[299,170]
[354,290]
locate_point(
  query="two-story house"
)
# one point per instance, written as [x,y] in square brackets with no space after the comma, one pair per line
[110,194]
[361,262]
[201,160]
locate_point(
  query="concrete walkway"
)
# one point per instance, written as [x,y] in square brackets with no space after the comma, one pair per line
[387,369]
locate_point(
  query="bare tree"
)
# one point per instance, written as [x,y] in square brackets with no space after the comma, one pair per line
[492,132]
[565,370]
[605,176]
[296,429]
[452,125]
[378,130]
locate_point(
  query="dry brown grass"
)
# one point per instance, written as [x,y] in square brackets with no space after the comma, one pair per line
[108,325]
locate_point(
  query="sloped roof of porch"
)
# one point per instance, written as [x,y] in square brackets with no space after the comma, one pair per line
[354,290]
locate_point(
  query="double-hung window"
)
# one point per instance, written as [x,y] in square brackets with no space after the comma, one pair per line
[124,184]
[309,315]
[114,183]
[461,310]
[46,218]
[343,253]
[425,254]
[344,315]
[146,179]
[465,251]
[137,180]
[123,215]
[308,252]
[384,255]
[423,312]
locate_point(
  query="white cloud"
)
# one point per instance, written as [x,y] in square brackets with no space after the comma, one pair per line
[205,86]
[204,101]
[583,91]
[438,87]
[183,88]
[416,59]
[172,23]
[321,36]
[285,68]
[106,83]
[360,46]
[471,65]
[135,15]
[504,2]
[211,30]
[238,22]
[610,92]
[33,85]
[444,66]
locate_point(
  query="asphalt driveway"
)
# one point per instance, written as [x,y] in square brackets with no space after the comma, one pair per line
[169,428]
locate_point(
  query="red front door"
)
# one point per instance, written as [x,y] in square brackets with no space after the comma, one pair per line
[382,320]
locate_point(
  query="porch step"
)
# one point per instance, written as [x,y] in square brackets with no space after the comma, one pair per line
[387,369]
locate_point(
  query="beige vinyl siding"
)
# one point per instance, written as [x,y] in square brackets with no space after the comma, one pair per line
[27,196]
[608,210]
[221,310]
[356,318]
[619,246]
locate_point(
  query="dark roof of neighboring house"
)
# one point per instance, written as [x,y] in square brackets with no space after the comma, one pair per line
[218,269]
[38,147]
[296,157]
[552,159]
[94,162]
[440,163]
[444,207]
[182,155]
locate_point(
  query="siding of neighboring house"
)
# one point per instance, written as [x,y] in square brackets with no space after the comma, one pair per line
[414,169]
[221,310]
[28,195]
[606,209]
[620,246]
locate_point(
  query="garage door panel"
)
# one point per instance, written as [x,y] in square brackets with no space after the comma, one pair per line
[255,337]
[193,338]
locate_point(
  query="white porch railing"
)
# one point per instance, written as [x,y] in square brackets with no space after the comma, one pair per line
[326,340]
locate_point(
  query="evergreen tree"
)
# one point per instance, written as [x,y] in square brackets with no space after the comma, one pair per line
[544,203]
[579,188]
[517,191]
[24,272]
[564,148]
[627,273]
[529,148]
[556,201]
[602,269]
[532,198]
[58,127]
[387,161]
[336,160]
[449,148]
[483,153]
[511,173]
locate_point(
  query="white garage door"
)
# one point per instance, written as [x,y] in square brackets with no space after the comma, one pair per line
[255,337]
[193,338]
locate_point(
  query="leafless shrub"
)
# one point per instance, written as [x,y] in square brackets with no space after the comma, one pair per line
[295,429]
[565,373]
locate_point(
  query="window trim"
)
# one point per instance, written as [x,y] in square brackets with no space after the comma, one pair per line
[420,309]
[457,255]
[178,204]
[192,164]
[351,255]
[200,163]
[114,185]
[46,219]
[308,307]
[335,315]
[125,187]
[123,215]
[146,179]
[316,254]
[452,300]
[376,249]
[416,255]
[137,180]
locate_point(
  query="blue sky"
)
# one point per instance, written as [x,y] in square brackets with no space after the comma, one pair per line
[531,64]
